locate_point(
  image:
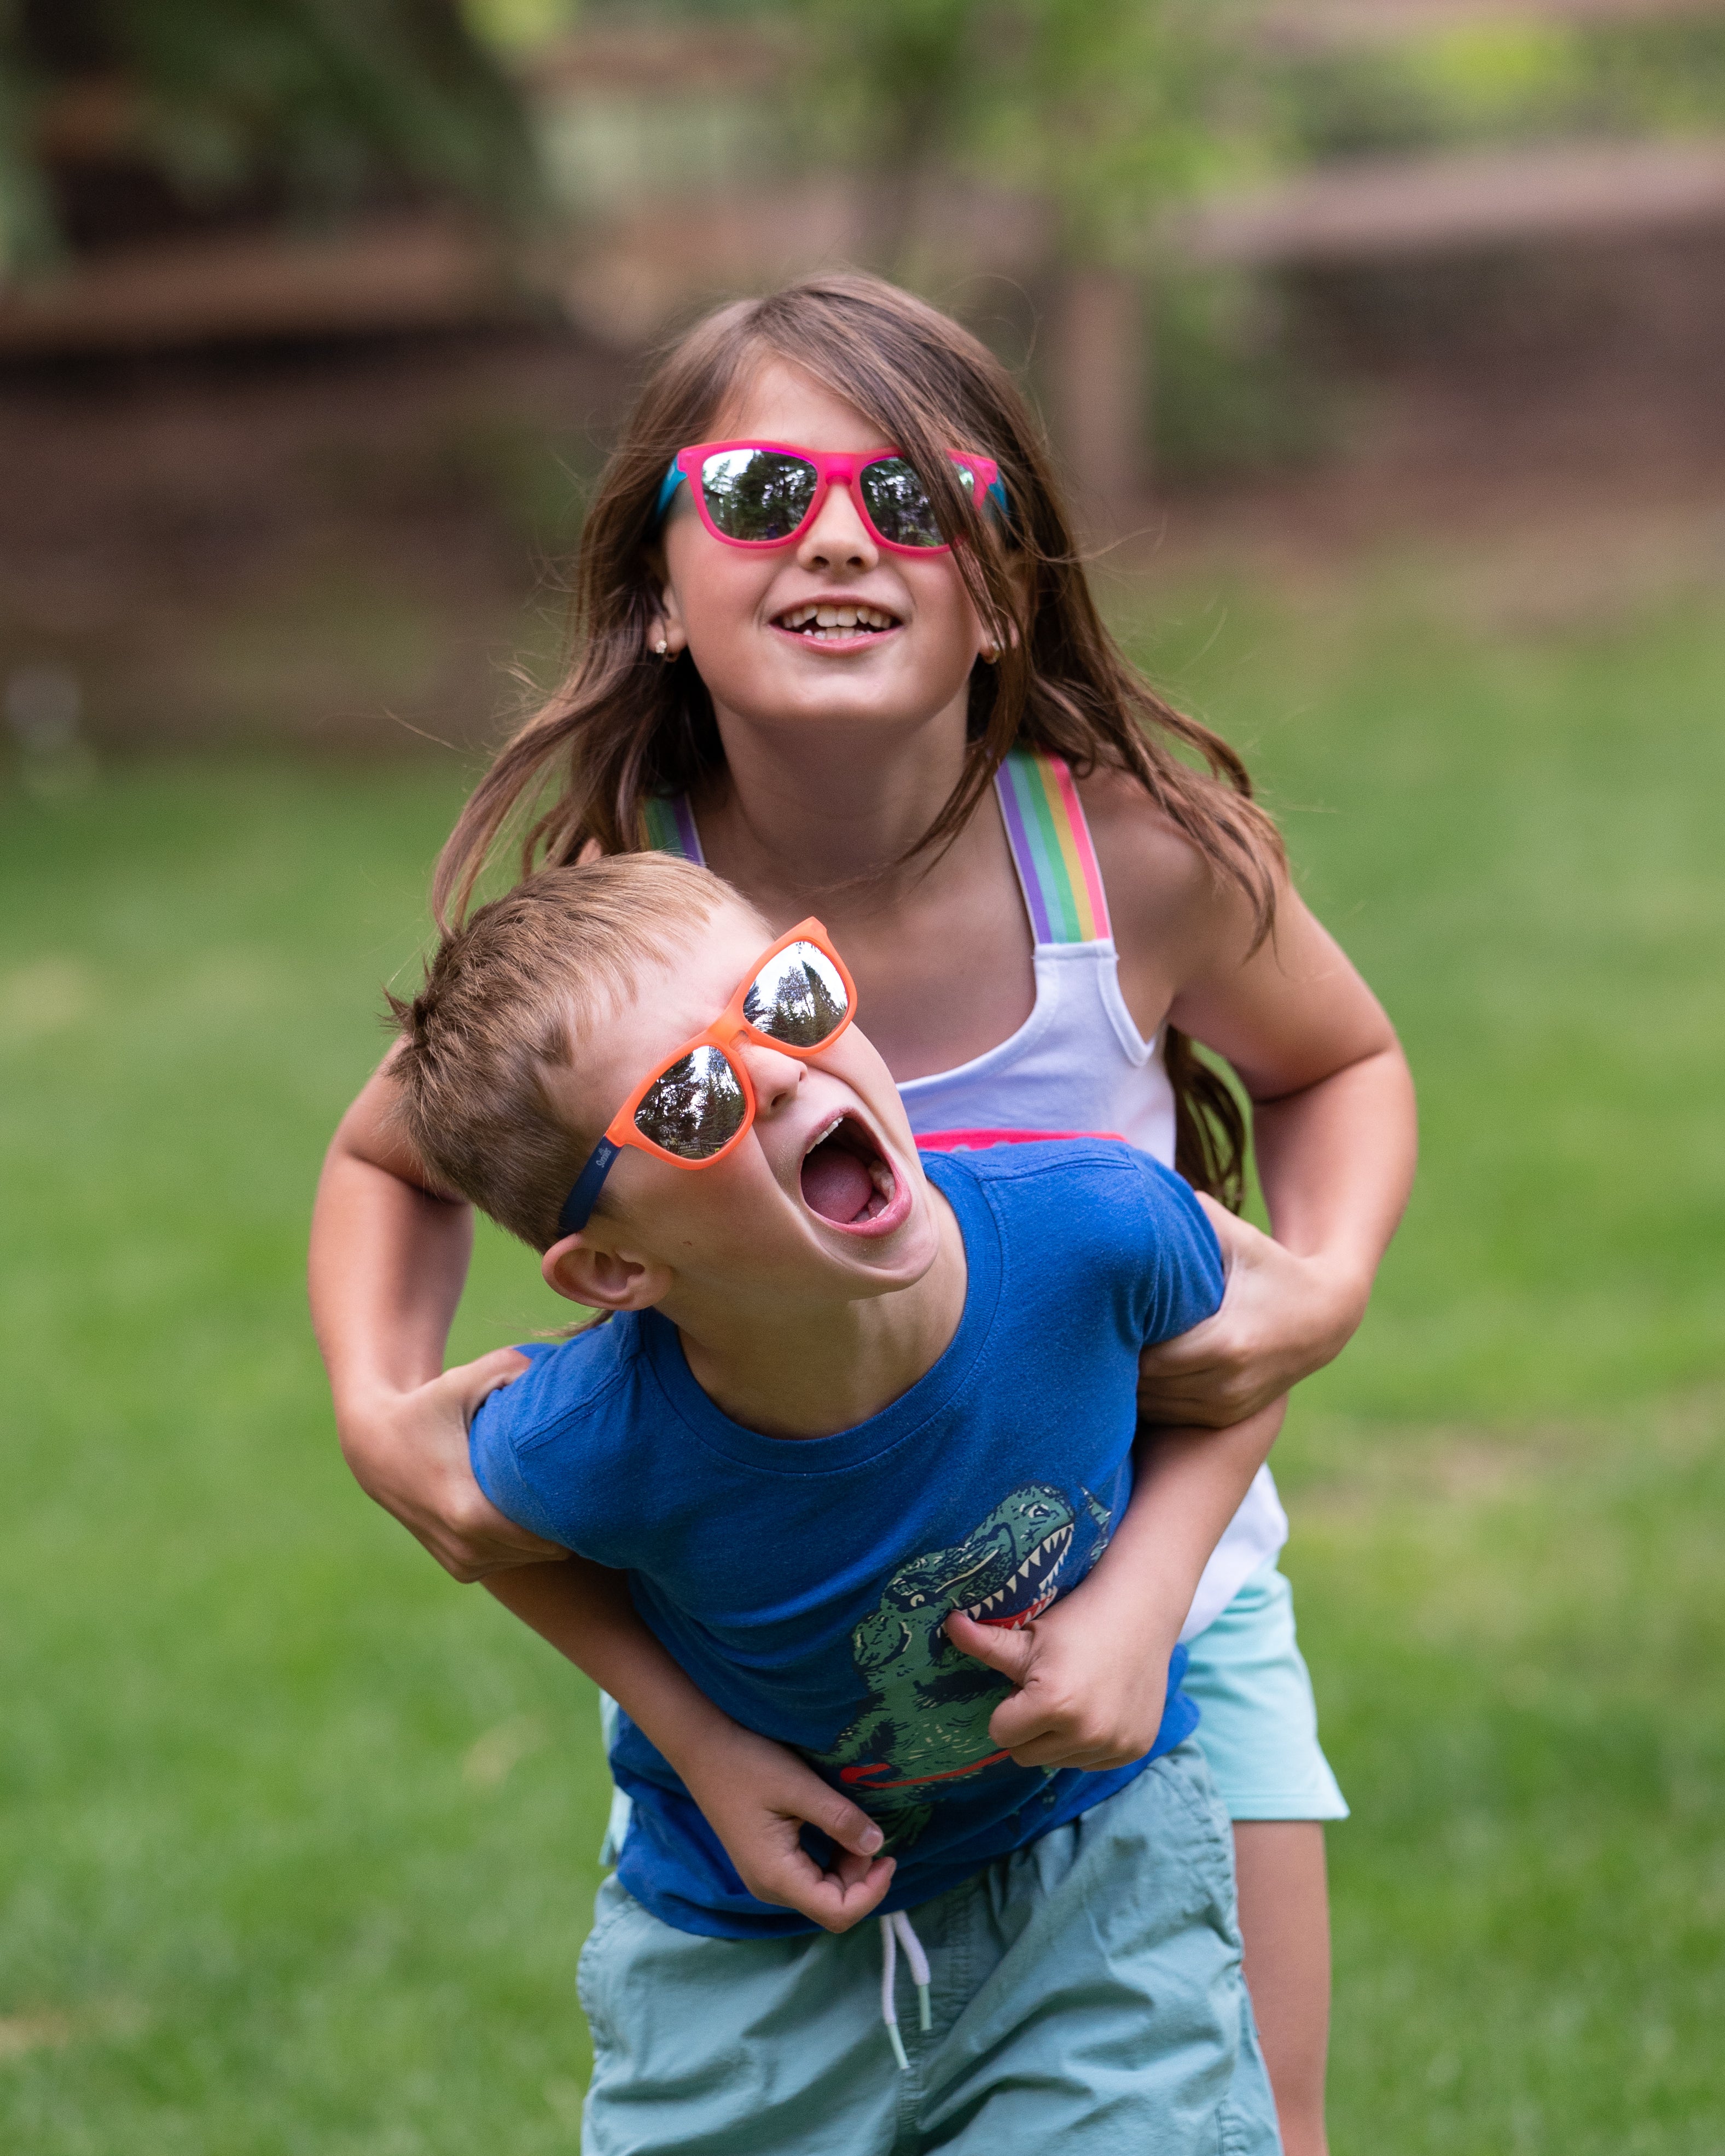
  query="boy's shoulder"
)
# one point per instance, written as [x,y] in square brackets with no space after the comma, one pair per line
[561,1427]
[1095,1213]
[1109,1169]
[566,1382]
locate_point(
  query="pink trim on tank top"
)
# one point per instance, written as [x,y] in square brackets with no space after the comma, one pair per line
[977,1141]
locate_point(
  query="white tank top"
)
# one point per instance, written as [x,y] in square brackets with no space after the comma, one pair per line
[1077,1065]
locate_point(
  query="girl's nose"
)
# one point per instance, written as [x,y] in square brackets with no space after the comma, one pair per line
[837,538]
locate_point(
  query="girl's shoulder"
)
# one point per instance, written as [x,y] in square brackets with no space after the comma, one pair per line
[1164,894]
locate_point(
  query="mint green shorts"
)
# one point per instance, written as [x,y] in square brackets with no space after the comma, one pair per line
[1258,1721]
[1085,1997]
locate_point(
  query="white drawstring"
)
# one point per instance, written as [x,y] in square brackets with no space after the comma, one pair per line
[896,1931]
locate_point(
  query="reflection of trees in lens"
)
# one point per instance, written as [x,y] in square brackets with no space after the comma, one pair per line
[695,1108]
[798,996]
[898,502]
[753,495]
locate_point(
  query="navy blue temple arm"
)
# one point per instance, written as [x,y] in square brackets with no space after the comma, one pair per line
[584,1195]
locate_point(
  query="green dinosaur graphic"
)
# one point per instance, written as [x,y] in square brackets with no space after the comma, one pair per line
[926,1719]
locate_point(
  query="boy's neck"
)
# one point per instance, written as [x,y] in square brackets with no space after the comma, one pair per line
[811,1369]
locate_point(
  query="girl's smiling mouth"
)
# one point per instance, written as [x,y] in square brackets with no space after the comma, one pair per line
[847,1182]
[847,623]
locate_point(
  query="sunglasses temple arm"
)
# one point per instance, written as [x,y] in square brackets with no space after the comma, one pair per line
[667,491]
[584,1194]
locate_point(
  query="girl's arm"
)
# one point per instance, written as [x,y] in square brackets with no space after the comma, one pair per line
[1335,1136]
[1092,1673]
[1332,1109]
[756,1795]
[1335,1162]
[387,1261]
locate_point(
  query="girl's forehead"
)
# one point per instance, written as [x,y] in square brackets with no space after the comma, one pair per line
[776,401]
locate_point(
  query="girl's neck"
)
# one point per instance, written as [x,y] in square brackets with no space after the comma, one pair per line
[797,812]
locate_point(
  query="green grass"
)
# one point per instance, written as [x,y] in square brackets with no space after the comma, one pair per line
[298,1838]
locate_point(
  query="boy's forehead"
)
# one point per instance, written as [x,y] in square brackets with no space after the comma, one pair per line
[682,990]
[671,998]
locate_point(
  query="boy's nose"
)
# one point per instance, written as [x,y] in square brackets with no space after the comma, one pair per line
[838,538]
[776,1079]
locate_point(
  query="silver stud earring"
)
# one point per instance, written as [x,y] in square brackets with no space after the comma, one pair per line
[663,649]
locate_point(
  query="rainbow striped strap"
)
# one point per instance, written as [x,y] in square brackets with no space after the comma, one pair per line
[1051,844]
[668,827]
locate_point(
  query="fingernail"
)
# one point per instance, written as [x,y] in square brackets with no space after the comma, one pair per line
[871,1839]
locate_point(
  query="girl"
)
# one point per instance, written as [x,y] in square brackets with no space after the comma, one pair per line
[837,642]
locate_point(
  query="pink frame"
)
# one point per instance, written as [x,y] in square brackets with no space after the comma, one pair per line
[842,470]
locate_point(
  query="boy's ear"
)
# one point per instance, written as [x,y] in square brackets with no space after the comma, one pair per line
[602,1279]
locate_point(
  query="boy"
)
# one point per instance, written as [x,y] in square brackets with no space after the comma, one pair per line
[858,1427]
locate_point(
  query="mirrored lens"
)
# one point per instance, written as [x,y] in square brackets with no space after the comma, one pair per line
[757,495]
[898,504]
[695,1108]
[798,996]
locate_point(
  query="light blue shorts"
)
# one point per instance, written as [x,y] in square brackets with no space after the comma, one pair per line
[1085,1997]
[1259,1721]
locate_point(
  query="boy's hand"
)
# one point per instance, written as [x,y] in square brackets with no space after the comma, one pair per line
[756,1796]
[1088,1692]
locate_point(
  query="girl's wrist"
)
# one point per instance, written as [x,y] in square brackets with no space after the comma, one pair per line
[1127,1608]
[1341,1279]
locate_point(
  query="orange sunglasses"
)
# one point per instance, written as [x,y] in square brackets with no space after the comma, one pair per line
[698,1105]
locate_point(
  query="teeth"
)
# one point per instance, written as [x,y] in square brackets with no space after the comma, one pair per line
[844,617]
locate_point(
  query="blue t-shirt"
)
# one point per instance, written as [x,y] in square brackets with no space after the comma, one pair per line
[804,1584]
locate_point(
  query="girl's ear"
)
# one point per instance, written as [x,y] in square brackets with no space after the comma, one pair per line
[666,636]
[988,652]
[1019,569]
[603,1279]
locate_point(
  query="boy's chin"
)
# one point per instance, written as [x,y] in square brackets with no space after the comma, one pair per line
[881,1264]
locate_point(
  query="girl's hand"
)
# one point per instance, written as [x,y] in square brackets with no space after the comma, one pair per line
[757,1797]
[1089,1693]
[1282,1318]
[409,1451]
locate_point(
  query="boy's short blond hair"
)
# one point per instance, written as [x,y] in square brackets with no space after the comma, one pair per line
[507,998]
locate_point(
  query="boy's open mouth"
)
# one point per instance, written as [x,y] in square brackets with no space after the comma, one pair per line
[845,1178]
[829,621]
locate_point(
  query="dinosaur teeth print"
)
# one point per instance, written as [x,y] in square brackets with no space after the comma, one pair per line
[1037,1575]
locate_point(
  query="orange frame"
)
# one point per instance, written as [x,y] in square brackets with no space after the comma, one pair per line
[620,1130]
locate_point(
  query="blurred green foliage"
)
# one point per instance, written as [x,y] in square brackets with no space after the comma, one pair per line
[1512,78]
[1099,108]
[300,107]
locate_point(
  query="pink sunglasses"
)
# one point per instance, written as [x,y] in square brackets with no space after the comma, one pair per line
[765,494]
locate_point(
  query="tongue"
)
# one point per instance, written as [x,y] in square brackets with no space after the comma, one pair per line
[835,1183]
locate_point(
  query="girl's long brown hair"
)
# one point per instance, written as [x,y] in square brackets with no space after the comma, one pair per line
[624,725]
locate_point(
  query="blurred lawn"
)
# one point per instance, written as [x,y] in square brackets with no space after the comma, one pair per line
[299,1838]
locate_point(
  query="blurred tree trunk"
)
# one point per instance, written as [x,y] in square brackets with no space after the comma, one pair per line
[1097,364]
